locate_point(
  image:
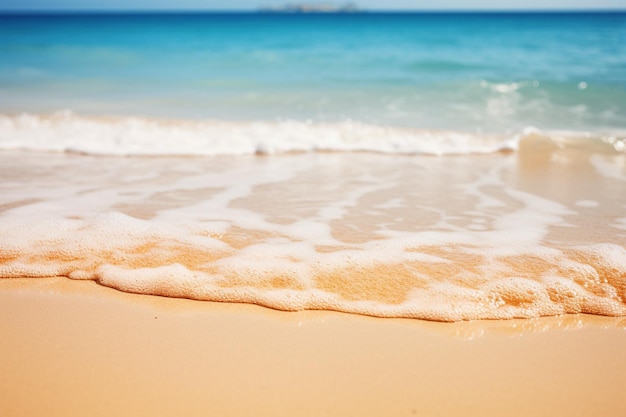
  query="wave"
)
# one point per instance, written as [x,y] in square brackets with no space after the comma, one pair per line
[67,132]
[537,233]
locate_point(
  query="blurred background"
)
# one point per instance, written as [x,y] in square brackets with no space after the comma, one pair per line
[491,67]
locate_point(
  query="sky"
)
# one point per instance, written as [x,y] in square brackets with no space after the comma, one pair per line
[8,5]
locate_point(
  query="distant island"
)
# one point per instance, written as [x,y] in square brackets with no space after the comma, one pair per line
[311,8]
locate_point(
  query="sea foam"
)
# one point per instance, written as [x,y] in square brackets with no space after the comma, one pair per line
[65,131]
[366,233]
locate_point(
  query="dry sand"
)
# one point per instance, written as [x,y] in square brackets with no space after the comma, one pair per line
[74,348]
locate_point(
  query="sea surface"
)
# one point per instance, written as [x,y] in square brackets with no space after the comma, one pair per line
[470,72]
[444,166]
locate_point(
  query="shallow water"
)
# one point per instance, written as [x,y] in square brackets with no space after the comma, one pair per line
[539,231]
[373,164]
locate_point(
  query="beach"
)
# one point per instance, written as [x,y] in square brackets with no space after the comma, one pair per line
[72,346]
[305,214]
[75,347]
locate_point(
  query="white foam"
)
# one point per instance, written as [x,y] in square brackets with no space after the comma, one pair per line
[68,132]
[620,223]
[439,238]
[506,88]
[65,131]
[610,166]
[587,203]
[147,257]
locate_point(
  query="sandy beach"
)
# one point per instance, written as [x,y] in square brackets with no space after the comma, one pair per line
[76,348]
[209,213]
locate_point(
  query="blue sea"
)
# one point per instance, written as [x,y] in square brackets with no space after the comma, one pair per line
[431,166]
[477,72]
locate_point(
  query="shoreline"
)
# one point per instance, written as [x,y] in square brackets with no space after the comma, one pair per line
[465,329]
[128,135]
[134,135]
[241,229]
[74,347]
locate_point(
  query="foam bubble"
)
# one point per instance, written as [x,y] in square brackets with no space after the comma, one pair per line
[387,278]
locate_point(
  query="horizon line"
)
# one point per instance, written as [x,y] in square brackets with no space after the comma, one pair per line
[260,10]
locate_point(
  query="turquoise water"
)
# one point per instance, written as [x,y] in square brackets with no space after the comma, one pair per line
[470,72]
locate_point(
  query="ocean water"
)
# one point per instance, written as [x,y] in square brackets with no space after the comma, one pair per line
[435,166]
[470,72]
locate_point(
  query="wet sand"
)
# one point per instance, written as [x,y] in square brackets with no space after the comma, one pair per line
[535,233]
[76,348]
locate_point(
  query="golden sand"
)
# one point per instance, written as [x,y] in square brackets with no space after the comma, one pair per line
[74,348]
